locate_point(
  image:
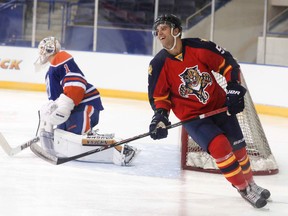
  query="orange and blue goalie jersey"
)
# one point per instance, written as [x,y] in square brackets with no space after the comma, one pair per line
[64,76]
[185,83]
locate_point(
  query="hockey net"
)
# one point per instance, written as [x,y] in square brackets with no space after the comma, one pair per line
[261,158]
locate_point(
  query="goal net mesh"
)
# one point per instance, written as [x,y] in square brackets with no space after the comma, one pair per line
[261,158]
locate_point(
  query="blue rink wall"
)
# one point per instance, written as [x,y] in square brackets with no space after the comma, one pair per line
[125,76]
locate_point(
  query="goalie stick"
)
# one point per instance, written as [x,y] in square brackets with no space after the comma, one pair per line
[56,160]
[12,151]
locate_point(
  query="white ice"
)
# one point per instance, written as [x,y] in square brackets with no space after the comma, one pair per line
[154,186]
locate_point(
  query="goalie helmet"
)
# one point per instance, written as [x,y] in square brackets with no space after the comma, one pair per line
[47,47]
[169,19]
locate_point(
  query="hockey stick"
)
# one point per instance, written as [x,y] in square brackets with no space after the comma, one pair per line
[56,160]
[12,151]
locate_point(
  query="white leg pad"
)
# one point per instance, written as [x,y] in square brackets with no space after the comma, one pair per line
[70,144]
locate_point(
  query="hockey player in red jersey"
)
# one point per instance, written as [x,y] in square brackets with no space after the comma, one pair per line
[181,80]
[74,104]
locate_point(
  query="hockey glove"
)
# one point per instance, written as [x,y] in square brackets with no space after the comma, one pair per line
[158,124]
[235,98]
[45,113]
[64,107]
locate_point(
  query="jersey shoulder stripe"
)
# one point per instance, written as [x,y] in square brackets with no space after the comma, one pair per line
[60,58]
[90,94]
[71,79]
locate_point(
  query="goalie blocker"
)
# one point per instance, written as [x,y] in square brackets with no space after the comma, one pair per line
[63,143]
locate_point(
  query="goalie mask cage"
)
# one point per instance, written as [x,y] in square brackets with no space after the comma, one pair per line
[261,158]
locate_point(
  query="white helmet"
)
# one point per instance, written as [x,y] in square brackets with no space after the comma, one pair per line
[47,47]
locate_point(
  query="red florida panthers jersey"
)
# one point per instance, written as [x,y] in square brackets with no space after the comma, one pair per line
[185,83]
[64,76]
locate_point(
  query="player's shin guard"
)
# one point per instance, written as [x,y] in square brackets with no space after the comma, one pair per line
[221,150]
[228,164]
[244,162]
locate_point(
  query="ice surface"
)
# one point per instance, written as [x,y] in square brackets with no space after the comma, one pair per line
[154,186]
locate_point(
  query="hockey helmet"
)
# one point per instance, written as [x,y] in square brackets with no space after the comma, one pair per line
[170,19]
[47,47]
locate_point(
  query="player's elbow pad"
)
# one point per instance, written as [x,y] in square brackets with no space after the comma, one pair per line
[64,107]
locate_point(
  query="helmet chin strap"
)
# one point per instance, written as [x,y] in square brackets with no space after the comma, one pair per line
[174,36]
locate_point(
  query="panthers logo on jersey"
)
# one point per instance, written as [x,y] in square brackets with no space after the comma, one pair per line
[194,83]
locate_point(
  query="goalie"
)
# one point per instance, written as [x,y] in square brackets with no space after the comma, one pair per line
[73,108]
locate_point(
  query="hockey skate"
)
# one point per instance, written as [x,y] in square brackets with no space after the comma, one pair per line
[253,198]
[264,193]
[130,154]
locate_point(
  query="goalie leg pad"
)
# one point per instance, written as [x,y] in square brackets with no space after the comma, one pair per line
[97,134]
[93,138]
[69,144]
[47,141]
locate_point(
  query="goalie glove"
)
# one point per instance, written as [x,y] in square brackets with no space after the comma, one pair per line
[56,112]
[45,113]
[64,106]
[235,97]
[158,124]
